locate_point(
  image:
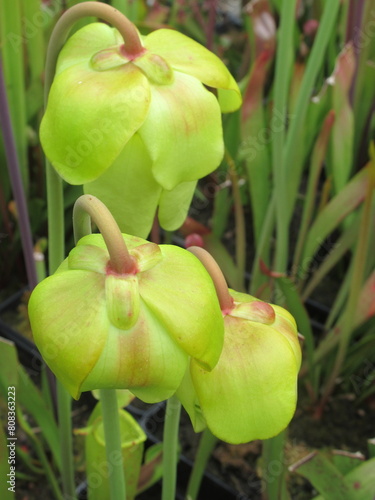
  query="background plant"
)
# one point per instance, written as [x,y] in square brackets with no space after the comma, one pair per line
[292,201]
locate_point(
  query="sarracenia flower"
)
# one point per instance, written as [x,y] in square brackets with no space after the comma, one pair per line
[98,328]
[139,124]
[252,391]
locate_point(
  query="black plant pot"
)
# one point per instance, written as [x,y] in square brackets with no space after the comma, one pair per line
[27,351]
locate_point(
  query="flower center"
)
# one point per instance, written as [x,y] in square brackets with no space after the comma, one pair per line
[154,67]
[108,59]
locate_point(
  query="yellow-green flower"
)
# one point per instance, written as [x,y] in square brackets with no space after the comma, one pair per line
[140,128]
[252,391]
[98,329]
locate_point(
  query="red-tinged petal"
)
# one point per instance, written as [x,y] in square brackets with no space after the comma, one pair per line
[182,132]
[145,359]
[88,258]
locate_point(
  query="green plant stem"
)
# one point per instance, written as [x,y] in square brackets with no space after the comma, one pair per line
[170,448]
[28,462]
[273,448]
[206,445]
[12,48]
[344,244]
[284,59]
[221,287]
[273,479]
[240,221]
[88,207]
[112,434]
[313,68]
[66,443]
[218,251]
[41,455]
[359,264]
[35,44]
[262,250]
[56,252]
[316,166]
[173,12]
[56,232]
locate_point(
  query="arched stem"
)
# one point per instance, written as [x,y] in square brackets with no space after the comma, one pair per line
[88,207]
[133,45]
[225,300]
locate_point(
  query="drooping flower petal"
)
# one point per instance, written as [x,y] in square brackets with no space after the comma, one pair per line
[91,114]
[183,119]
[188,56]
[174,205]
[129,190]
[179,293]
[286,325]
[188,397]
[280,319]
[254,382]
[64,330]
[144,359]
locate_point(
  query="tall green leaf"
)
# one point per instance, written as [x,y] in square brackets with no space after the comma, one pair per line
[11,45]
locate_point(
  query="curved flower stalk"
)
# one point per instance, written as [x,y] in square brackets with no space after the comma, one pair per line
[125,323]
[252,391]
[139,123]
